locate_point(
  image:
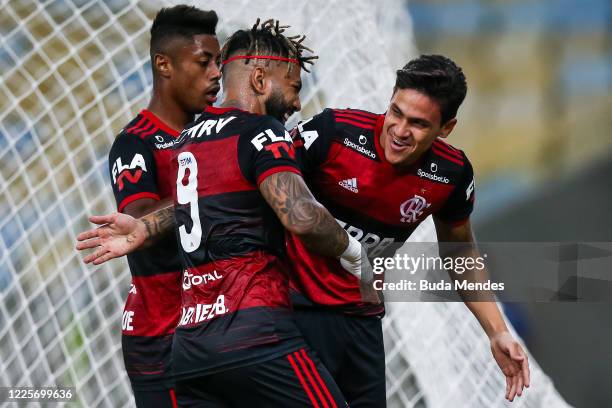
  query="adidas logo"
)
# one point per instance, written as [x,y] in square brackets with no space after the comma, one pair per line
[349,184]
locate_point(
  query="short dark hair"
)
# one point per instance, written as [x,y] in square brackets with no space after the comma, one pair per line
[439,78]
[180,21]
[268,39]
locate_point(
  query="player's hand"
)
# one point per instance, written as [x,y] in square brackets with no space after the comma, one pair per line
[512,360]
[118,235]
[356,262]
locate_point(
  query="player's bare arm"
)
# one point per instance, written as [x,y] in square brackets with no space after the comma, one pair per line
[507,352]
[120,234]
[301,214]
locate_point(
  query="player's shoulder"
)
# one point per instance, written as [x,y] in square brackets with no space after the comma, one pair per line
[449,154]
[131,134]
[354,120]
[356,126]
[445,163]
[258,127]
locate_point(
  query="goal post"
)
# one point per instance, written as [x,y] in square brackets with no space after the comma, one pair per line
[73,72]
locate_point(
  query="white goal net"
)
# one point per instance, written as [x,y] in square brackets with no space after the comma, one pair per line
[72,73]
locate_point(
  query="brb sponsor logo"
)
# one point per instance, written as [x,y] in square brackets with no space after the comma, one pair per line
[201,312]
[131,172]
[273,143]
[358,148]
[374,244]
[413,208]
[189,279]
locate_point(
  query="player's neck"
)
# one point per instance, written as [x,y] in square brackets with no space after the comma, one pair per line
[242,102]
[169,112]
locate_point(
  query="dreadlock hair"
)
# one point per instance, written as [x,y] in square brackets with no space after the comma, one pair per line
[180,21]
[437,77]
[268,39]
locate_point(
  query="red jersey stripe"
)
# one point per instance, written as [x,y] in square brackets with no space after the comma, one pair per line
[451,147]
[173,398]
[137,125]
[355,117]
[350,122]
[149,132]
[274,170]
[447,149]
[311,379]
[135,197]
[447,156]
[368,115]
[301,379]
[158,122]
[318,377]
[147,126]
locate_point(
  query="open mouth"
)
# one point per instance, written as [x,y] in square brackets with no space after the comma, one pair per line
[400,143]
[211,95]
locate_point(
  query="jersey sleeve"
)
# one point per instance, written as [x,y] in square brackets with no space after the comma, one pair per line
[266,150]
[132,170]
[312,139]
[460,204]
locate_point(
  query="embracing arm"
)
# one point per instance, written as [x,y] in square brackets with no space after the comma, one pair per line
[120,234]
[301,214]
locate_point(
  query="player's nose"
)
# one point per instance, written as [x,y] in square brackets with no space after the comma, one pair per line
[297,105]
[402,129]
[215,73]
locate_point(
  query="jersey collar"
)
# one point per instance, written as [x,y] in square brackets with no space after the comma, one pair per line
[158,122]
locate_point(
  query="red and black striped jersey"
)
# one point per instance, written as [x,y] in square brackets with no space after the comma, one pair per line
[139,165]
[344,165]
[235,307]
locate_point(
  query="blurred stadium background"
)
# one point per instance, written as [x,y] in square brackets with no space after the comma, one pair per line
[536,125]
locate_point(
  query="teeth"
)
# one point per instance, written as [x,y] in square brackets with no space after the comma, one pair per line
[400,143]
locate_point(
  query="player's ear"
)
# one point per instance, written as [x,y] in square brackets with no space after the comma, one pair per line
[259,80]
[162,65]
[447,128]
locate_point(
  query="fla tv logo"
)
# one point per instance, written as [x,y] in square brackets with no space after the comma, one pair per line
[132,172]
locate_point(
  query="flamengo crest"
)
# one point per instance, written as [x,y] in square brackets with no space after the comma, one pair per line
[413,208]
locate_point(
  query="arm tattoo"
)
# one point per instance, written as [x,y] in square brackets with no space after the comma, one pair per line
[158,223]
[301,214]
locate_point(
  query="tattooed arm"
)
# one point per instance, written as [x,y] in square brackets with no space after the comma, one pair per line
[120,234]
[303,215]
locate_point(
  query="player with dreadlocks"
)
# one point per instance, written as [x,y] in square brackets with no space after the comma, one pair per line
[237,186]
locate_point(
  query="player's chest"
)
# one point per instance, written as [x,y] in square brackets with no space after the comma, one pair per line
[376,190]
[161,146]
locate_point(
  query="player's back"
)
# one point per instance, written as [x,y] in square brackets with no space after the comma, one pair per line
[345,168]
[235,284]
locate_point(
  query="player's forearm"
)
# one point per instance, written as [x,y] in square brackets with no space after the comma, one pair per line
[318,229]
[301,214]
[480,302]
[157,224]
[489,316]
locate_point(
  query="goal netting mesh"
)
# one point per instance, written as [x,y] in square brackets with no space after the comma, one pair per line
[73,72]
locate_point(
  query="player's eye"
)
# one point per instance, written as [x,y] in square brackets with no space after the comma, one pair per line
[421,124]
